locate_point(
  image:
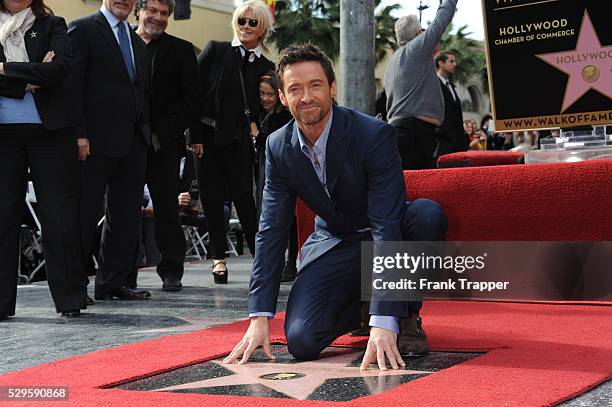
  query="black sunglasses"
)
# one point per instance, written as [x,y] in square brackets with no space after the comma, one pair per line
[252,22]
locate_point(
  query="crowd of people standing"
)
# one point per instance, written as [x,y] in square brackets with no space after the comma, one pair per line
[94,109]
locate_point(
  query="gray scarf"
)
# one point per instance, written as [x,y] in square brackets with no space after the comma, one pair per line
[12,31]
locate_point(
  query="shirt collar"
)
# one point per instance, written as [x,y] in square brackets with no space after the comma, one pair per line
[321,143]
[444,80]
[110,17]
[256,51]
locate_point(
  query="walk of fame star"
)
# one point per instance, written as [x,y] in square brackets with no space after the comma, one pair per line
[589,65]
[300,380]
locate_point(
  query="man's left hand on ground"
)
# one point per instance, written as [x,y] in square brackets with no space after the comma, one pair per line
[382,342]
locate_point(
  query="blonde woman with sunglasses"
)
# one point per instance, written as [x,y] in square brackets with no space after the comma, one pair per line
[230,73]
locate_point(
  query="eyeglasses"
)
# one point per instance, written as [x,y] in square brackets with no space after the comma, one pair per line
[252,22]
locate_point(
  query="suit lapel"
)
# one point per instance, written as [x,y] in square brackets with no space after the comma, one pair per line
[338,144]
[109,37]
[313,189]
[448,96]
[161,53]
[139,48]
[33,41]
[230,59]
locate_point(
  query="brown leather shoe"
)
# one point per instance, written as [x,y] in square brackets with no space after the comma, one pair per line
[412,340]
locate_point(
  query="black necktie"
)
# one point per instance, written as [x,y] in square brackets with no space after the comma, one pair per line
[245,59]
[452,91]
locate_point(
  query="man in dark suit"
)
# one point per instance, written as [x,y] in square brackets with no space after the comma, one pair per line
[174,100]
[451,136]
[110,76]
[345,166]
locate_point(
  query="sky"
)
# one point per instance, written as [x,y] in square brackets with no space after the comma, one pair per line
[468,13]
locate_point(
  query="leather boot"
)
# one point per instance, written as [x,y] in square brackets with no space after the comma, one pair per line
[412,340]
[364,330]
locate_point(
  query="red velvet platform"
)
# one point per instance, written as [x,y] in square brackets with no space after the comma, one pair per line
[568,201]
[479,158]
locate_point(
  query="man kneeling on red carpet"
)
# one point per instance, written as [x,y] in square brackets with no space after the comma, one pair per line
[345,166]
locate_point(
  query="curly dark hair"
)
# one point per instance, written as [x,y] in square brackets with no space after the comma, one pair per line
[39,8]
[140,4]
[296,53]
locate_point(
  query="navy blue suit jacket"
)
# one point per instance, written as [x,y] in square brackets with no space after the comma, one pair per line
[366,187]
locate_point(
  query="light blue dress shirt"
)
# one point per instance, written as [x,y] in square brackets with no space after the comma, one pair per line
[114,22]
[316,155]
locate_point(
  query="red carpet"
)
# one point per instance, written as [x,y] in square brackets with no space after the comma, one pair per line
[538,355]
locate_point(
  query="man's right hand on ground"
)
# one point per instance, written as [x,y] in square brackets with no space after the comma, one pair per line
[257,335]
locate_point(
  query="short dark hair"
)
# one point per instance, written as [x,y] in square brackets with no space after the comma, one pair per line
[296,53]
[140,4]
[442,57]
[39,8]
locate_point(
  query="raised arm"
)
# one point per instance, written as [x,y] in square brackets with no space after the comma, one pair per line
[433,34]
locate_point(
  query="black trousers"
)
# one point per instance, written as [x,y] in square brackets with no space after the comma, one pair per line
[221,169]
[53,161]
[163,182]
[416,142]
[121,181]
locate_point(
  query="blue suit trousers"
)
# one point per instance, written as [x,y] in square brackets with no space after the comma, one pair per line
[324,302]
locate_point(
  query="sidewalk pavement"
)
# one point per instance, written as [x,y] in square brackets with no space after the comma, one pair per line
[36,334]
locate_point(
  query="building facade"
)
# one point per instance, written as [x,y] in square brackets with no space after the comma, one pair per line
[210,19]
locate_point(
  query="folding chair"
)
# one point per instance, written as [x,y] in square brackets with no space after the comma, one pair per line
[197,242]
[34,248]
[234,224]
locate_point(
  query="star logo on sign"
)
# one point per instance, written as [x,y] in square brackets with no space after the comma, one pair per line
[296,380]
[589,66]
[33,34]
